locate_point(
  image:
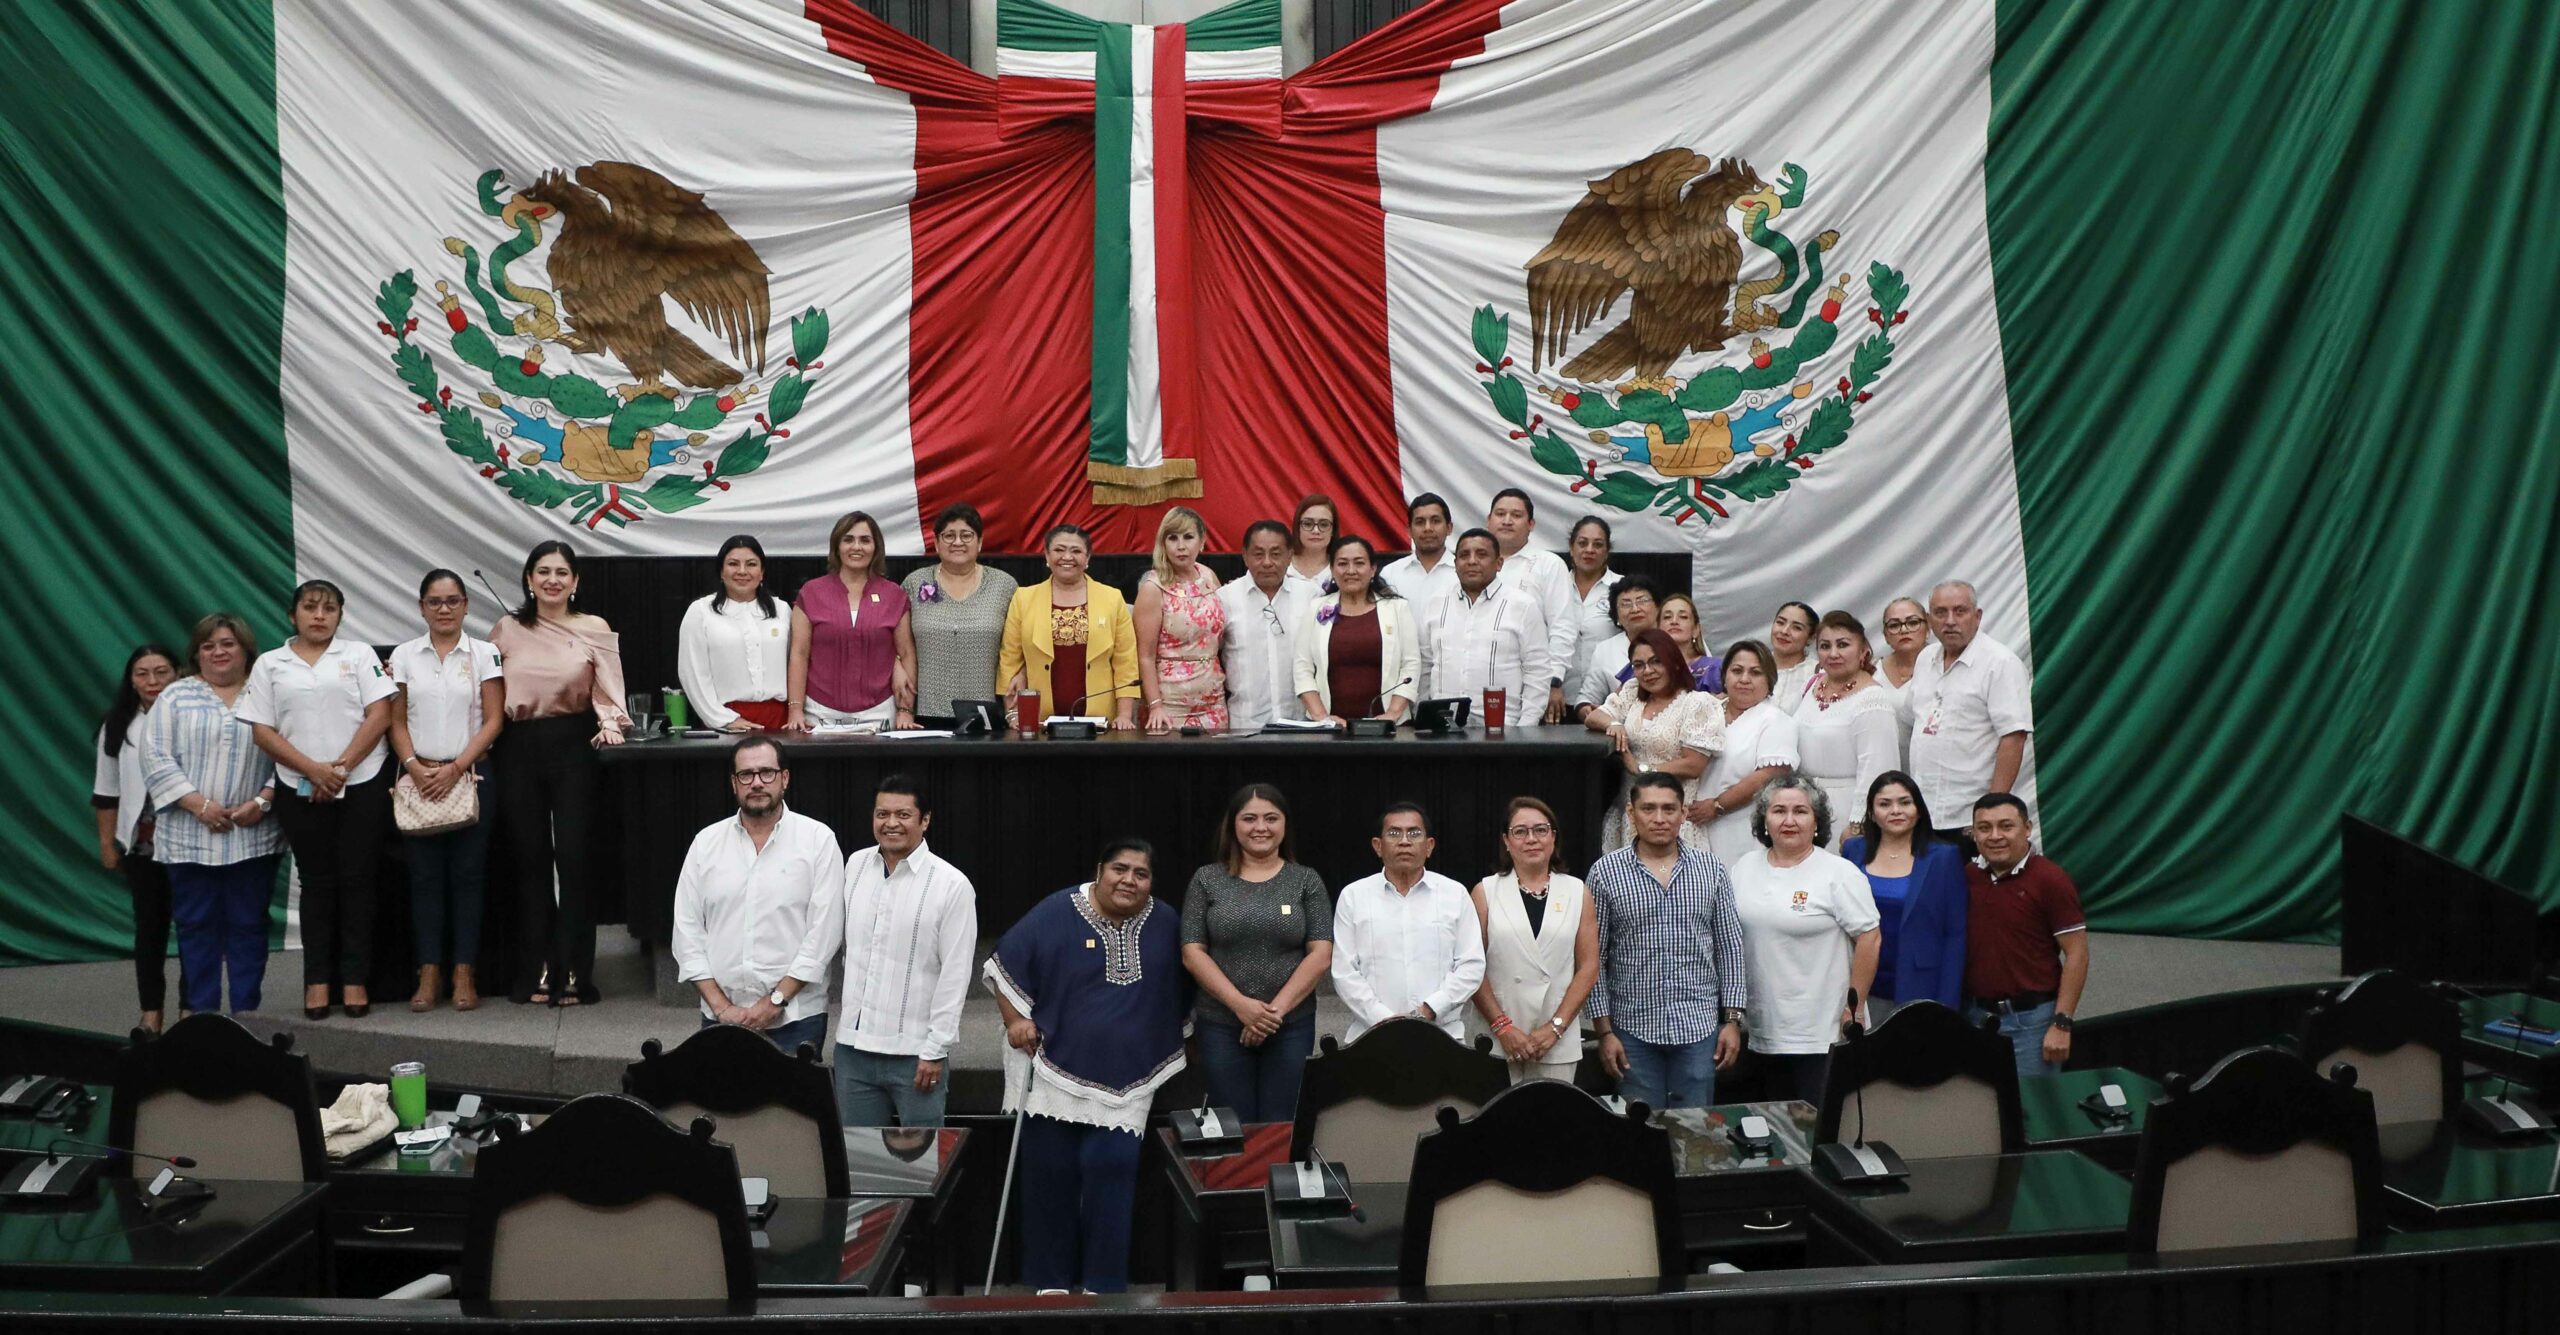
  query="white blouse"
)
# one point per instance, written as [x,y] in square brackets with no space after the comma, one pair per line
[1846,746]
[319,707]
[120,777]
[444,693]
[730,650]
[1693,721]
[1787,689]
[1761,736]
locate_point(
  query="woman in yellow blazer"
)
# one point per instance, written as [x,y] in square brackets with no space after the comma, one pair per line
[1383,632]
[1069,618]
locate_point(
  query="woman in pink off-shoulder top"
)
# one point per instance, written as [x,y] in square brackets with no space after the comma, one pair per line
[564,699]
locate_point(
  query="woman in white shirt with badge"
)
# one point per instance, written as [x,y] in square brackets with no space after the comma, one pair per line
[1541,948]
[451,701]
[1906,633]
[1846,730]
[125,821]
[1811,933]
[1759,745]
[733,649]
[319,709]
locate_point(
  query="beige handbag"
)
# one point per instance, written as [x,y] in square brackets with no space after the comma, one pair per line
[415,813]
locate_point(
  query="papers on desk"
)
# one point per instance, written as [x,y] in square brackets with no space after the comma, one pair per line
[904,734]
[1297,725]
[845,730]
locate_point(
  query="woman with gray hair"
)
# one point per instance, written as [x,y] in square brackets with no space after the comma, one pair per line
[1811,934]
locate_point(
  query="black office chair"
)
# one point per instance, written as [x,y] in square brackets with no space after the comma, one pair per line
[2261,1150]
[605,1200]
[777,1111]
[209,1090]
[2403,1038]
[1363,1104]
[1543,1161]
[1930,1085]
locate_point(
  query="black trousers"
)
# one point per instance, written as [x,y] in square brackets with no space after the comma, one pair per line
[546,780]
[148,882]
[337,852]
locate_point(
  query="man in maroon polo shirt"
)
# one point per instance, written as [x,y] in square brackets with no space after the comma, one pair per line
[2026,943]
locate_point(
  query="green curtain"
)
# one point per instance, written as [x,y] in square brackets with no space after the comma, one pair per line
[141,281]
[2275,284]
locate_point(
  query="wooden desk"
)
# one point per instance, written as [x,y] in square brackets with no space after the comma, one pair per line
[248,1237]
[1219,1233]
[1336,1251]
[2446,1175]
[2056,1120]
[1749,1209]
[1974,1208]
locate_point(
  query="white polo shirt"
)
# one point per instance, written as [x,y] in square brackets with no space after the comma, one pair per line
[746,918]
[1260,651]
[1958,715]
[1495,639]
[444,692]
[318,706]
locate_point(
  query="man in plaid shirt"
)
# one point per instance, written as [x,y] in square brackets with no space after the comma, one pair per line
[1670,998]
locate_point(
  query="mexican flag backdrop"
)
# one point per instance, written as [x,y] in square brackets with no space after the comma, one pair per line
[2211,347]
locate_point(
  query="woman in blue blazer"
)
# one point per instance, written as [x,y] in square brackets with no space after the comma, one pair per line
[1919,887]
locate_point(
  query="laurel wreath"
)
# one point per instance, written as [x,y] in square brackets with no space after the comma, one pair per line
[1712,390]
[576,396]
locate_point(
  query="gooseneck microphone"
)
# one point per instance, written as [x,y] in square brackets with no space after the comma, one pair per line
[1358,1215]
[117,1152]
[492,586]
[2498,1114]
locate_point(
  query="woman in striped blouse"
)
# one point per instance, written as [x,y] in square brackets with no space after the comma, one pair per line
[212,789]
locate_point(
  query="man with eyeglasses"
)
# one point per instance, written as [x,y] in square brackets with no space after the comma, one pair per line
[1970,715]
[759,906]
[1260,645]
[910,937]
[1405,941]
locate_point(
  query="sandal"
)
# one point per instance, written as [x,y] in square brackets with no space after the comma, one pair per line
[541,994]
[569,993]
[429,976]
[466,989]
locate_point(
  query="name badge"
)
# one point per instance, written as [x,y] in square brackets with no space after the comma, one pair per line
[1284,910]
[1088,943]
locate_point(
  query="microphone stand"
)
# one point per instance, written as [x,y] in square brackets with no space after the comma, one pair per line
[1373,728]
[2497,1114]
[1081,729]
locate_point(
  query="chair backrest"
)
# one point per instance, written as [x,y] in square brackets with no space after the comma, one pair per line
[2261,1150]
[605,1200]
[1363,1103]
[777,1111]
[1543,1160]
[2403,1037]
[1931,1087]
[209,1090]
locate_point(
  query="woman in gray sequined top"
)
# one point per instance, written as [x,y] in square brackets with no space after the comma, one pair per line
[959,607]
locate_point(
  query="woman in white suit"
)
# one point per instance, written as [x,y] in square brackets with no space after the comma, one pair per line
[1541,949]
[1359,647]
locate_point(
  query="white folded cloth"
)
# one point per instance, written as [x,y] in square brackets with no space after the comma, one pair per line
[361,1116]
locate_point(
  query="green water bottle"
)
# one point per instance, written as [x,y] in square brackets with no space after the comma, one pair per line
[679,717]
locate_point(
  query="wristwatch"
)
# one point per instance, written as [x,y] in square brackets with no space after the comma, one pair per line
[1558,1022]
[1732,1015]
[264,803]
[777,998]
[2062,1022]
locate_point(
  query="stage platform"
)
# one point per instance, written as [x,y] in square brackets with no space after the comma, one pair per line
[582,1048]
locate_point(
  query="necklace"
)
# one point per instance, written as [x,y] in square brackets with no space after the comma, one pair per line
[1541,891]
[1825,699]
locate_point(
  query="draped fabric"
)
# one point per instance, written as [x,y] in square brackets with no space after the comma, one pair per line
[2272,356]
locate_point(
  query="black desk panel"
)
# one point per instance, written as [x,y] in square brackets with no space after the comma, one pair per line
[1978,1208]
[259,1237]
[1024,817]
[2446,1175]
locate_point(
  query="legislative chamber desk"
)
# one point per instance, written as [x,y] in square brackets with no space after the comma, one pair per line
[1024,816]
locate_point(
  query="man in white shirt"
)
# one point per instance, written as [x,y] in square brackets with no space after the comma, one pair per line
[1422,577]
[1406,941]
[1547,579]
[1970,714]
[910,937]
[1483,635]
[759,906]
[1637,604]
[1260,647]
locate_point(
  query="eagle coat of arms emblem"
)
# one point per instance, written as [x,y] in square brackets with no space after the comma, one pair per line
[1645,275]
[618,243]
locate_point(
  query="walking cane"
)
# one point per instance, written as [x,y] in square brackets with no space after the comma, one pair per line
[1004,1200]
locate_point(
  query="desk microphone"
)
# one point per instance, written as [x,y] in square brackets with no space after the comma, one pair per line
[1076,729]
[1377,727]
[1079,702]
[2497,1114]
[116,1152]
[1358,1215]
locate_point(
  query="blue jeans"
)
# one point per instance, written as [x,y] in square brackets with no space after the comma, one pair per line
[448,880]
[2025,1032]
[871,1085]
[1260,1082]
[789,1037]
[222,917]
[1668,1075]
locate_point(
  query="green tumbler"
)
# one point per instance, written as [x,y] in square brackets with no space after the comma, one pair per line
[409,1094]
[679,716]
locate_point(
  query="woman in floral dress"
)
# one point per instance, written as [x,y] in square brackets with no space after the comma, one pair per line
[1180,624]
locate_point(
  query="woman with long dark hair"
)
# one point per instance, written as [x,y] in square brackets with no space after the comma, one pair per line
[733,650]
[564,700]
[125,821]
[1360,646]
[1919,887]
[1257,935]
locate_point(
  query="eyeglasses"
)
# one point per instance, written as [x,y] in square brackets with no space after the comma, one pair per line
[1906,623]
[443,604]
[1404,836]
[755,777]
[1315,523]
[1530,831]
